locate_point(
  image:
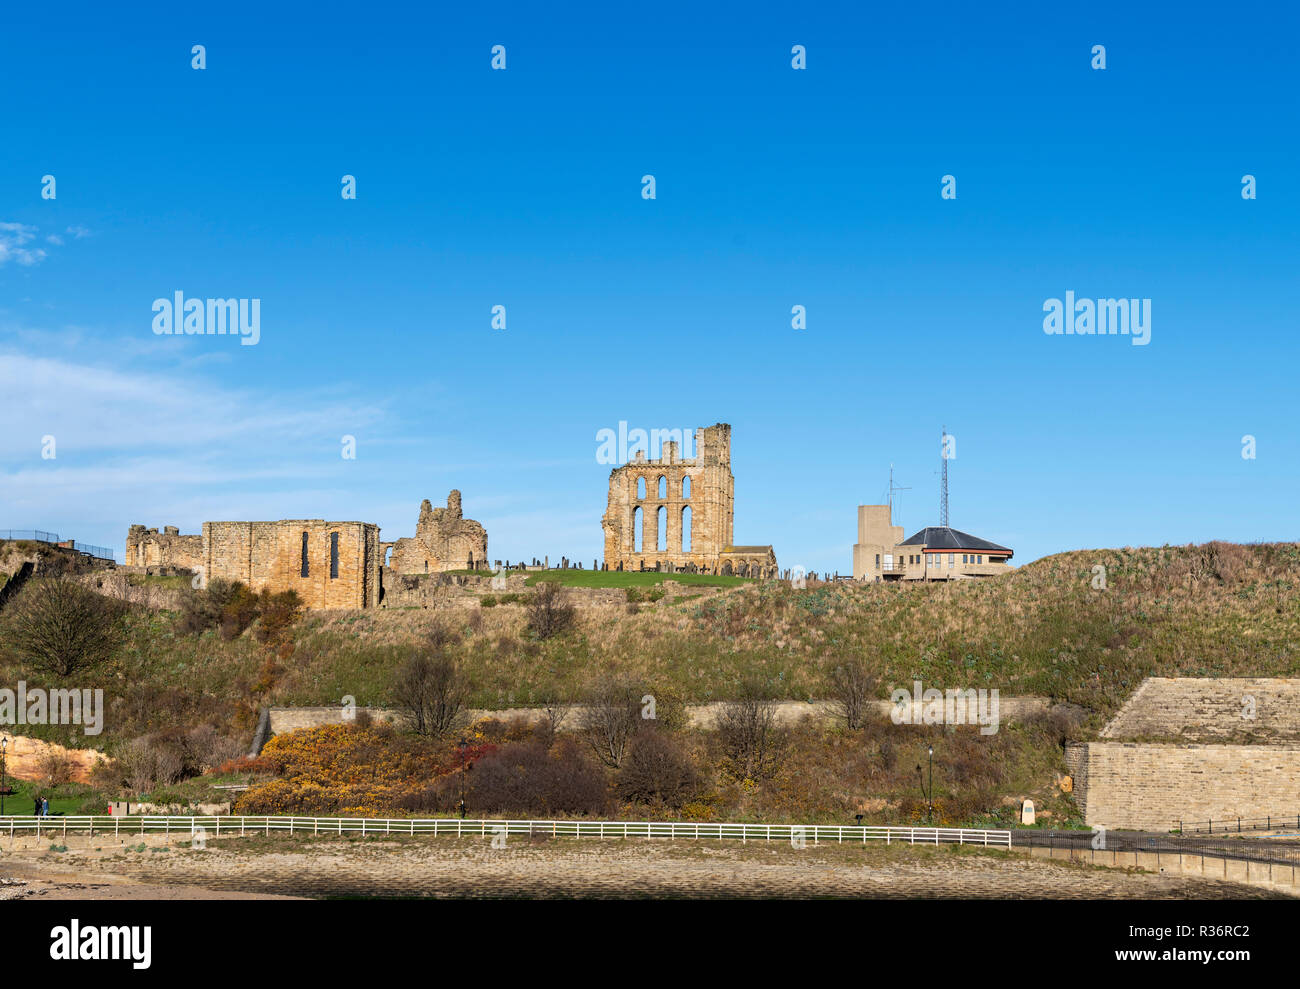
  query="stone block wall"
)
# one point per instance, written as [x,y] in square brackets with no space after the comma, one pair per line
[444,540]
[153,549]
[271,555]
[1206,709]
[1152,787]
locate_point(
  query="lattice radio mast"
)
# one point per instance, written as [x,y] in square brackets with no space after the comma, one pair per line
[943,485]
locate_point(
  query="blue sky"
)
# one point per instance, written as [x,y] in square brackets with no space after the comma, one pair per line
[775,188]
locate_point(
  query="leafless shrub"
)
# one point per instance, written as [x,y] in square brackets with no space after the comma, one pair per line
[657,770]
[524,777]
[151,761]
[550,611]
[430,691]
[852,690]
[611,718]
[56,767]
[60,627]
[206,748]
[748,732]
[557,706]
[441,635]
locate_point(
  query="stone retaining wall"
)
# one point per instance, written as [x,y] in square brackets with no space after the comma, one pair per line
[1206,709]
[1152,787]
[287,719]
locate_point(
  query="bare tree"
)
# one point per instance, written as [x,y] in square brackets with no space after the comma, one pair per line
[748,731]
[611,718]
[430,691]
[549,610]
[852,688]
[557,704]
[61,627]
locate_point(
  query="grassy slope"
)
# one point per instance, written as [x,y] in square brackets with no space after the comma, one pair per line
[1218,610]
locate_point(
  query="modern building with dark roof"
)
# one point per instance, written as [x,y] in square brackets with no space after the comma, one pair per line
[934,553]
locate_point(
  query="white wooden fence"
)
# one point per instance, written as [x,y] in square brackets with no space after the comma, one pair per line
[216,826]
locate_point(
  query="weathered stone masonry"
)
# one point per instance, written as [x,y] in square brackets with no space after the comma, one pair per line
[444,540]
[1133,779]
[150,548]
[329,564]
[677,514]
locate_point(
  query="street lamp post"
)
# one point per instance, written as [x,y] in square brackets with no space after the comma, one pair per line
[931,798]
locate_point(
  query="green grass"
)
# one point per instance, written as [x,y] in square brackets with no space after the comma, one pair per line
[155,580]
[20,802]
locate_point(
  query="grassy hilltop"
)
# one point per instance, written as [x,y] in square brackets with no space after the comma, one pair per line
[1053,628]
[1212,610]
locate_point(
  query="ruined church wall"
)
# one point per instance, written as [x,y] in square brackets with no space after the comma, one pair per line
[151,548]
[711,502]
[269,555]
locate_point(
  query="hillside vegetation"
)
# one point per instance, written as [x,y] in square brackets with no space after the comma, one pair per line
[1212,610]
[183,690]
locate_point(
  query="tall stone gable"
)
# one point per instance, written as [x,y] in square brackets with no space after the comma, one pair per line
[678,513]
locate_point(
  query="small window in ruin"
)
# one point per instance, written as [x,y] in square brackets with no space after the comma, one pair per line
[661,526]
[663,486]
[686,486]
[686,529]
[640,487]
[334,555]
[306,571]
[637,537]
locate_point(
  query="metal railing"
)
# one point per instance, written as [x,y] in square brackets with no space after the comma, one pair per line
[39,536]
[35,535]
[1236,825]
[216,825]
[96,552]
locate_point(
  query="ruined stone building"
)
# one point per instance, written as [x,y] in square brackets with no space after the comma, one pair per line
[329,564]
[151,549]
[676,513]
[444,540]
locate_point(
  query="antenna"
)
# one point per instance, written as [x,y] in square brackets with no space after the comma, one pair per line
[892,488]
[943,489]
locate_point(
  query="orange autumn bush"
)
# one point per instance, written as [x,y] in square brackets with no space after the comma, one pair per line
[354,770]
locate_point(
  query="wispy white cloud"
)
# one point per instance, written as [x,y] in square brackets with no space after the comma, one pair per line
[107,409]
[14,238]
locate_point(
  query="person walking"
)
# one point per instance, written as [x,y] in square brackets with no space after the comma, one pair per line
[45,807]
[37,802]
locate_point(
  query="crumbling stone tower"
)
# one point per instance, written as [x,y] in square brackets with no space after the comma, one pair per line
[675,513]
[444,540]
